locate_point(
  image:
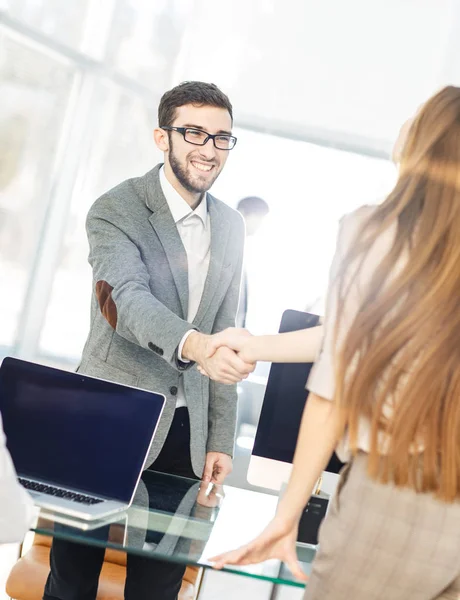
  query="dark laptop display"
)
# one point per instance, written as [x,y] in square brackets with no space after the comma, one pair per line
[76,431]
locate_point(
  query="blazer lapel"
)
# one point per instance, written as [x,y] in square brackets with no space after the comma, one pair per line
[163,223]
[220,230]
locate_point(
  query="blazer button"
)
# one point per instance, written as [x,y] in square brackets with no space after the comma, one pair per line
[152,346]
[173,390]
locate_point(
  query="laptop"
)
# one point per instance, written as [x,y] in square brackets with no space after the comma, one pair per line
[79,443]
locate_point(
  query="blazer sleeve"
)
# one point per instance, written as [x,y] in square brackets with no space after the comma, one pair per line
[123,292]
[223,398]
[16,507]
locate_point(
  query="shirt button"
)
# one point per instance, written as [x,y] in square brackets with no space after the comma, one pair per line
[173,390]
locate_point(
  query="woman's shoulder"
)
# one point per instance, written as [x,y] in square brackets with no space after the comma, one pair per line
[358,216]
[351,222]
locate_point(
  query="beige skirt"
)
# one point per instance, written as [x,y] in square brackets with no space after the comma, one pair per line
[382,542]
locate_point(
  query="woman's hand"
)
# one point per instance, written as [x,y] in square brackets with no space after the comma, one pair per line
[233,338]
[278,541]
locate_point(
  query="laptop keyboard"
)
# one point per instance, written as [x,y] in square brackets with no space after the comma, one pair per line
[50,490]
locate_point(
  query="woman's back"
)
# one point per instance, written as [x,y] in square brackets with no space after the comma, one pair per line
[388,375]
[394,311]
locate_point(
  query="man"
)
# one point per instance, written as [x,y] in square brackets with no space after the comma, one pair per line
[254,210]
[167,260]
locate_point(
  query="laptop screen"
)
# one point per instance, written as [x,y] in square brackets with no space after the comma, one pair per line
[75,431]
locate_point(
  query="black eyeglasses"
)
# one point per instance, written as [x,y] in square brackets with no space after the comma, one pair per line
[200,138]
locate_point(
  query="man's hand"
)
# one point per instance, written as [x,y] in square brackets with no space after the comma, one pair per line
[210,496]
[218,466]
[222,365]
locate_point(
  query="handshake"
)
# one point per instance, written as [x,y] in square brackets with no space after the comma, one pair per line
[224,357]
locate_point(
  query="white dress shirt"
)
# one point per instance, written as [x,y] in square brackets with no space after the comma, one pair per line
[16,507]
[194,228]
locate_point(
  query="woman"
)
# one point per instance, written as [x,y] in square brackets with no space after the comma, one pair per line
[16,507]
[385,390]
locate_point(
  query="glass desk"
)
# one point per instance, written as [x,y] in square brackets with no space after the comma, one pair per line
[181,520]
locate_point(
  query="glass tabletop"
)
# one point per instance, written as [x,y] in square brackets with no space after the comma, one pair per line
[182,520]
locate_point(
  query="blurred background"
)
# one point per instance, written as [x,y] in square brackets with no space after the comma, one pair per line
[319,90]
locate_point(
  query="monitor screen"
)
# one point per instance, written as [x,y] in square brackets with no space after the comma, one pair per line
[284,401]
[76,431]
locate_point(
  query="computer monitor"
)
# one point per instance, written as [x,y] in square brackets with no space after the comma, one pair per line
[284,401]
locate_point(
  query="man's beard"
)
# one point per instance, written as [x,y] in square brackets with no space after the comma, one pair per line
[183,177]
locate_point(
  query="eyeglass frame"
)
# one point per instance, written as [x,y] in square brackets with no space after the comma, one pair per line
[212,136]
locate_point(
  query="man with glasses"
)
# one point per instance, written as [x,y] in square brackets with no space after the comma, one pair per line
[167,261]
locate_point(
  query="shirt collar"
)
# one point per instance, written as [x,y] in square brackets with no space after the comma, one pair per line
[179,208]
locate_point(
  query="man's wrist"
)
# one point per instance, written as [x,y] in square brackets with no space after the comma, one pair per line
[180,349]
[219,452]
[194,346]
[212,449]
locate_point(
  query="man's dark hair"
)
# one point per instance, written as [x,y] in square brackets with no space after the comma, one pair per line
[190,92]
[253,205]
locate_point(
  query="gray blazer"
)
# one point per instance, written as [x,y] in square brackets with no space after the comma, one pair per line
[140,302]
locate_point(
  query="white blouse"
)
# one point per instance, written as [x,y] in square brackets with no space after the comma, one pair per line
[16,507]
[322,376]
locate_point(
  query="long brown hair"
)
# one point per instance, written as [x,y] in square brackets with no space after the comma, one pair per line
[404,344]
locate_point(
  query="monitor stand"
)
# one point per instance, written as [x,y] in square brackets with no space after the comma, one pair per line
[312,516]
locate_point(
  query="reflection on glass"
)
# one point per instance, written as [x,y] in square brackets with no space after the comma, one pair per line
[122,147]
[61,20]
[172,519]
[34,91]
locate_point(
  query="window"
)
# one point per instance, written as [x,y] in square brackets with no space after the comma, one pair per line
[64,21]
[146,38]
[123,147]
[308,188]
[34,94]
